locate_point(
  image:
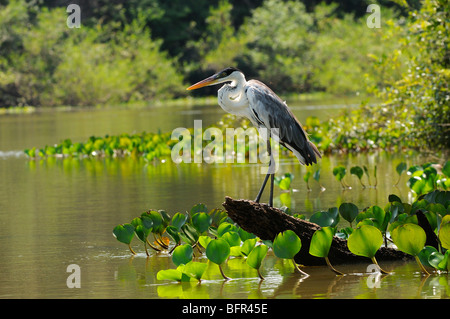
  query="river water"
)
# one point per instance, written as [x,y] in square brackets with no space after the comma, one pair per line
[59,212]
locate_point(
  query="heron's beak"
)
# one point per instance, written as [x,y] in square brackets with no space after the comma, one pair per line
[208,81]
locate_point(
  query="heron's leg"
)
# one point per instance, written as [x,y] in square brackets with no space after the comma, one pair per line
[258,197]
[272,177]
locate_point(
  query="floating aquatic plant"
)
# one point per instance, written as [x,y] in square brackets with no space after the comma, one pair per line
[365,241]
[321,243]
[286,245]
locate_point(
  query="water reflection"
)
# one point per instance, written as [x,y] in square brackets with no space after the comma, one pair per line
[191,183]
[282,282]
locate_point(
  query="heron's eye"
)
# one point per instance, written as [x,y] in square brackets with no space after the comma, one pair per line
[224,74]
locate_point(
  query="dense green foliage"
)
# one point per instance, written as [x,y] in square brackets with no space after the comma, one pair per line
[131,51]
[136,52]
[43,62]
[414,87]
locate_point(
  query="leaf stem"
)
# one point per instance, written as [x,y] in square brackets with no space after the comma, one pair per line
[421,266]
[376,263]
[298,268]
[223,274]
[131,249]
[337,272]
[260,275]
[151,246]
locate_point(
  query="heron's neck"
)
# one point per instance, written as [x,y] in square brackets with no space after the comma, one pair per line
[232,97]
[237,86]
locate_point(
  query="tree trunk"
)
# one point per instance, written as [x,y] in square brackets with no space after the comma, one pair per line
[266,222]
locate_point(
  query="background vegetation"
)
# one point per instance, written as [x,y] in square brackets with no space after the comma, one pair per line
[139,51]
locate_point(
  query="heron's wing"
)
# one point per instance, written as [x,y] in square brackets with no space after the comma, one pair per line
[272,112]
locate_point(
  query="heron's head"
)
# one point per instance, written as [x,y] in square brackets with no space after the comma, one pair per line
[226,75]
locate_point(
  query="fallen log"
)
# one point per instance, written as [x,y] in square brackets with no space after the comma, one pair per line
[266,222]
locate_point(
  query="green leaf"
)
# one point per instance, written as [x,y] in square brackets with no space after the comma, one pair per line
[329,218]
[189,234]
[142,227]
[217,216]
[245,235]
[172,274]
[201,221]
[225,227]
[158,226]
[307,176]
[444,232]
[348,211]
[409,238]
[394,198]
[285,183]
[377,215]
[142,232]
[358,171]
[199,208]
[178,220]
[438,261]
[286,199]
[204,241]
[321,242]
[286,244]
[420,185]
[232,238]
[182,254]
[247,246]
[218,251]
[316,175]
[365,241]
[446,169]
[195,269]
[425,254]
[174,233]
[256,256]
[339,172]
[401,167]
[124,233]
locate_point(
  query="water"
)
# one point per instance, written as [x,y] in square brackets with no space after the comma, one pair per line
[58,212]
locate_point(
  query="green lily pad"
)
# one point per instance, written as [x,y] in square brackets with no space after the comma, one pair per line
[225,227]
[256,256]
[182,254]
[248,246]
[172,274]
[365,241]
[201,221]
[329,218]
[409,238]
[444,232]
[178,220]
[286,244]
[339,172]
[194,269]
[321,242]
[357,171]
[232,238]
[348,211]
[218,251]
[124,233]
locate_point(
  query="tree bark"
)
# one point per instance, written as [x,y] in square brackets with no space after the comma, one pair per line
[266,222]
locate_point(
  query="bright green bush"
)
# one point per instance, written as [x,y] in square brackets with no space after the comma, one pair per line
[43,62]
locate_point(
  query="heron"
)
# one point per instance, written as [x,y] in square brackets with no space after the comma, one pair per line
[258,103]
